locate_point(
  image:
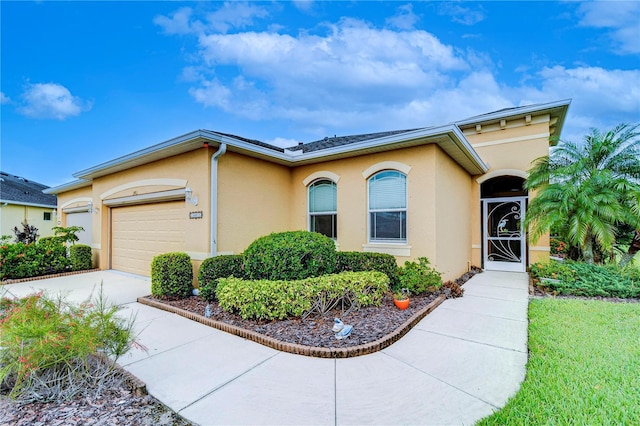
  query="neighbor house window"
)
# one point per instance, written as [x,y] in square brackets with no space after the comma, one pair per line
[323,211]
[388,207]
[47,216]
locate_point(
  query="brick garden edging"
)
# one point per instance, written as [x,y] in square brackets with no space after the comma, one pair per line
[293,348]
[44,277]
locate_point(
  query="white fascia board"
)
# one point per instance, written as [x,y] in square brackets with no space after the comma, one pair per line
[20,203]
[518,111]
[452,132]
[76,184]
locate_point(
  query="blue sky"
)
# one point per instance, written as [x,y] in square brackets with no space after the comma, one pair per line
[85,82]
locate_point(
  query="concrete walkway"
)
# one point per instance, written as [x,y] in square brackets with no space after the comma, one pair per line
[458,365]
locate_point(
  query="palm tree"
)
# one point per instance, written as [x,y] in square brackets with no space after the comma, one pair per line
[587,190]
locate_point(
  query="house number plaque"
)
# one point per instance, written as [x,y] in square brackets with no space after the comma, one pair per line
[195,215]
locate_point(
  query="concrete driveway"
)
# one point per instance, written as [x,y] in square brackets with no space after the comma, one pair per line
[459,364]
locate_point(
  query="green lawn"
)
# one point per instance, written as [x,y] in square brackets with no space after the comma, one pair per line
[584,366]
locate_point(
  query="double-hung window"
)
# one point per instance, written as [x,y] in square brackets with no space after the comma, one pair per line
[323,211]
[388,207]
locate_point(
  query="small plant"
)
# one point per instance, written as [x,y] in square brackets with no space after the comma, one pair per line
[172,276]
[67,235]
[401,294]
[49,347]
[28,234]
[418,277]
[452,290]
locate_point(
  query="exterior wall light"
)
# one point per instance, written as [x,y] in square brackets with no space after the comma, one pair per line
[187,193]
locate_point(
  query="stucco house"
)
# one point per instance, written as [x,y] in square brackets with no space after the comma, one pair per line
[452,193]
[22,199]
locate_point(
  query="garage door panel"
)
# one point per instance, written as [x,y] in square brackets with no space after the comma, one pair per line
[139,233]
[84,220]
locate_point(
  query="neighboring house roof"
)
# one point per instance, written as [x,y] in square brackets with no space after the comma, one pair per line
[449,137]
[18,190]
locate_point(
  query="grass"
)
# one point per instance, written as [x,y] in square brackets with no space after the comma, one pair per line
[584,366]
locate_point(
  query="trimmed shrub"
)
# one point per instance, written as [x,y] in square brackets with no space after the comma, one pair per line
[172,276]
[292,255]
[80,257]
[264,299]
[418,277]
[360,261]
[21,260]
[213,268]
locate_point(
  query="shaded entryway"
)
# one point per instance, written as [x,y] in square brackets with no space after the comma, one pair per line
[504,241]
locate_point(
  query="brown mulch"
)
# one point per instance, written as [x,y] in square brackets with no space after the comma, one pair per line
[117,406]
[369,324]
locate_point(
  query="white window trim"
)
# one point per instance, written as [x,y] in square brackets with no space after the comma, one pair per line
[380,243]
[309,214]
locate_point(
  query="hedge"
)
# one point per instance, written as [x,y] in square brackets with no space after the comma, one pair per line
[80,257]
[21,260]
[360,261]
[292,255]
[265,299]
[213,268]
[171,275]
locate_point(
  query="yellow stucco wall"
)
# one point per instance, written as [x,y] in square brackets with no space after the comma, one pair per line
[13,215]
[253,200]
[452,225]
[514,147]
[352,200]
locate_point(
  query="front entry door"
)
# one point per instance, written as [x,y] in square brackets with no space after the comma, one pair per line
[504,242]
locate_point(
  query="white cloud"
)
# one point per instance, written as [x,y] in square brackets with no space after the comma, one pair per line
[4,99]
[51,100]
[232,15]
[304,5]
[353,66]
[349,77]
[464,15]
[404,18]
[620,17]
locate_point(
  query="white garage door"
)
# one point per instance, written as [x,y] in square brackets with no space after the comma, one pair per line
[139,233]
[81,219]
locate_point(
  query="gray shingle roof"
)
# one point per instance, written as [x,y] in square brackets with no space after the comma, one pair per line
[330,142]
[252,141]
[23,191]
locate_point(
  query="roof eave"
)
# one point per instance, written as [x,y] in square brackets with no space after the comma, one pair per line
[450,138]
[21,203]
[70,186]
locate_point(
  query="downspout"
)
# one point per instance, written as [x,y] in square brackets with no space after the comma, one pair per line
[214,198]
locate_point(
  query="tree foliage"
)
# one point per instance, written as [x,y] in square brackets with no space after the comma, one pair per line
[588,190]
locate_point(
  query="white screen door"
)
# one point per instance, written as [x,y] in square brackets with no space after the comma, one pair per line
[504,239]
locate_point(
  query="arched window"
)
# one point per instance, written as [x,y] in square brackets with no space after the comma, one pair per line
[388,207]
[323,211]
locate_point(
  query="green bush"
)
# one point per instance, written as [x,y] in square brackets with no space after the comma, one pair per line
[80,257]
[21,260]
[290,255]
[418,277]
[46,343]
[264,299]
[213,268]
[172,276]
[360,261]
[590,280]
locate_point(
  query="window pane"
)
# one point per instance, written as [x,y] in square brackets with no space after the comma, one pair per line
[388,226]
[388,190]
[322,196]
[326,224]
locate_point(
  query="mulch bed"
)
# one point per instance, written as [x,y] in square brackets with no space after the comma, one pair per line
[370,324]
